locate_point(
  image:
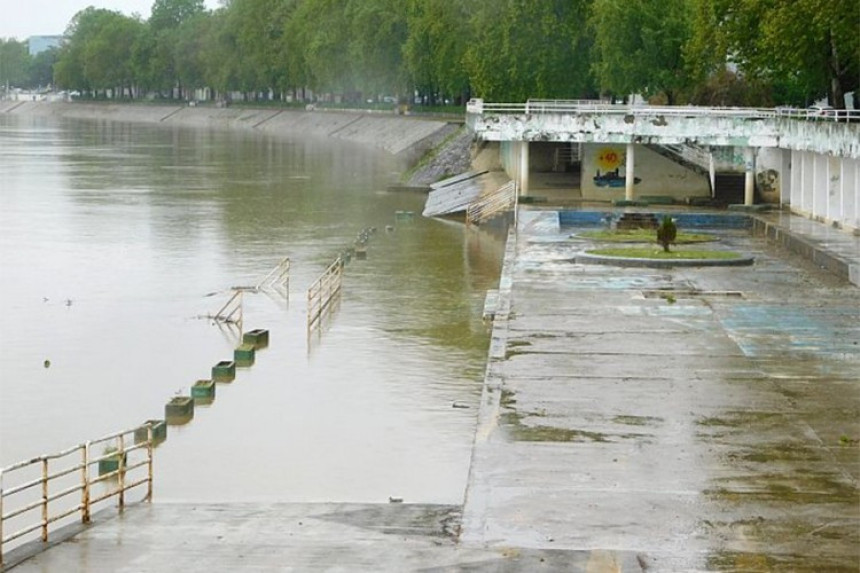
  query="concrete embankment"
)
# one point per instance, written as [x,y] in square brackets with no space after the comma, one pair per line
[409,137]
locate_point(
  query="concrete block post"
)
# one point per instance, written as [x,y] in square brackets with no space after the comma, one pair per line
[749,176]
[629,173]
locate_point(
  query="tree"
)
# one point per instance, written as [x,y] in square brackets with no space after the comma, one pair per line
[70,69]
[805,49]
[529,49]
[220,60]
[14,62]
[667,232]
[378,31]
[317,34]
[638,46]
[258,27]
[435,47]
[166,26]
[107,53]
[41,69]
[168,14]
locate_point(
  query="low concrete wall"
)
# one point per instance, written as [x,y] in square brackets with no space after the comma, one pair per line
[404,136]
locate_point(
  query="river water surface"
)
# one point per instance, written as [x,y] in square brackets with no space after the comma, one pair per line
[113,239]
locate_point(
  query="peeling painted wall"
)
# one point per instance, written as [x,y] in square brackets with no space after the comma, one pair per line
[839,139]
[769,174]
[655,174]
[826,188]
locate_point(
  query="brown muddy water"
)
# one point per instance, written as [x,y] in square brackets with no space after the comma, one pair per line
[113,238]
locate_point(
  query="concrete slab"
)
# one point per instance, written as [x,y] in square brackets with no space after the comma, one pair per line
[714,430]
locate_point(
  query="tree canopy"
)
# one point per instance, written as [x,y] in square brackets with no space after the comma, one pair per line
[728,52]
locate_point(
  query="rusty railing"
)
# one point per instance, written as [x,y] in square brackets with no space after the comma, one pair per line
[56,487]
[323,291]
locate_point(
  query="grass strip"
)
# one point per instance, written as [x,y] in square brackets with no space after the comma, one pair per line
[659,253]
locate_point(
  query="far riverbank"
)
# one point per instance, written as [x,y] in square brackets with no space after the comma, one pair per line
[407,137]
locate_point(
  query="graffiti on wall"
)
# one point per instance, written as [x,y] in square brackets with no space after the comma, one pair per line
[611,162]
[768,181]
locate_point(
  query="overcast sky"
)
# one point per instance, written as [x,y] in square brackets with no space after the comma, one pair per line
[21,19]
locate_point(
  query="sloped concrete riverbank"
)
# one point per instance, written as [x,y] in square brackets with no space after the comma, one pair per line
[409,137]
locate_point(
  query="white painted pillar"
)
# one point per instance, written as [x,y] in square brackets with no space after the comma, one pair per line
[524,168]
[629,173]
[749,176]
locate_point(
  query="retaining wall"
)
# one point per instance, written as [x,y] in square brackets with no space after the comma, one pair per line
[405,136]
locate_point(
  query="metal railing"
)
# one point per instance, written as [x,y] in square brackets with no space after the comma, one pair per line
[692,153]
[478,106]
[278,279]
[323,290]
[59,486]
[502,199]
[232,311]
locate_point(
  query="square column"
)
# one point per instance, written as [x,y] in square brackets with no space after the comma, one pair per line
[524,167]
[629,177]
[749,176]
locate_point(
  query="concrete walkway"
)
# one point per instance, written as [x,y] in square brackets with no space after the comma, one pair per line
[696,419]
[670,420]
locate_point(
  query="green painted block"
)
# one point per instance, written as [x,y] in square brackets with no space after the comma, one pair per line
[159,432]
[179,410]
[203,391]
[243,355]
[658,199]
[259,338]
[224,371]
[110,464]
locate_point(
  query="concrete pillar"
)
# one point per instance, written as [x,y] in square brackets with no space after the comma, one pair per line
[629,174]
[749,176]
[524,168]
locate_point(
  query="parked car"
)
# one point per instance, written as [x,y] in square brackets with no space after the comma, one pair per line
[820,112]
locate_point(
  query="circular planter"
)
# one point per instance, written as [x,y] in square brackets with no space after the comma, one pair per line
[597,259]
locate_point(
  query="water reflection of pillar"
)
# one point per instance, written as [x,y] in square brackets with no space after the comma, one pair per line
[629,174]
[749,176]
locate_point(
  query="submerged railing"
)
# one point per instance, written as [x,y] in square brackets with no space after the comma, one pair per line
[58,486]
[232,312]
[323,291]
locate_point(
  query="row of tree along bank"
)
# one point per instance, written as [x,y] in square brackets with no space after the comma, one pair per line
[714,52]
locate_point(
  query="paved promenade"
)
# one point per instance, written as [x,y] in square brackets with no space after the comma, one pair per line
[633,419]
[676,419]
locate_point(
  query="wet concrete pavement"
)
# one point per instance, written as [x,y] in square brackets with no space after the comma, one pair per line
[687,419]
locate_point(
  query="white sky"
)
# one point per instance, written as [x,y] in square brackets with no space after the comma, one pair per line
[21,19]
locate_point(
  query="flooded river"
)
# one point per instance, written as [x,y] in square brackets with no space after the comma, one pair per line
[115,238]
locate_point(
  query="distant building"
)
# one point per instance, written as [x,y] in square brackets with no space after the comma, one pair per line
[41,43]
